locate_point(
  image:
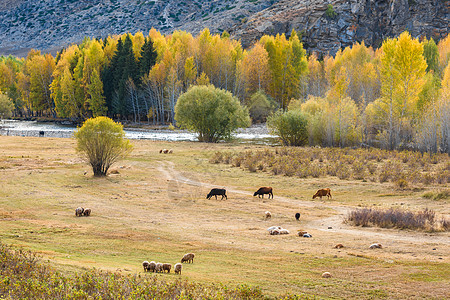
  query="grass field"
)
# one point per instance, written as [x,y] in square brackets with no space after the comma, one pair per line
[154,208]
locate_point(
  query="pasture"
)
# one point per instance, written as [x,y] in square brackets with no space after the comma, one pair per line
[153,207]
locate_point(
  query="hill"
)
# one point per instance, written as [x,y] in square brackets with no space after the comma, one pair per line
[49,25]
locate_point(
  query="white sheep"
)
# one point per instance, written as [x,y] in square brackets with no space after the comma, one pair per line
[284,231]
[177,268]
[374,246]
[145,265]
[79,211]
[159,267]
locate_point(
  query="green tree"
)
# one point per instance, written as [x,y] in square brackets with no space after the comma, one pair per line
[6,106]
[101,141]
[290,126]
[260,107]
[211,112]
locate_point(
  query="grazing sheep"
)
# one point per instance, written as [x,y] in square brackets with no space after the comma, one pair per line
[159,268]
[326,275]
[170,151]
[177,268]
[79,211]
[145,265]
[374,246]
[264,190]
[166,267]
[165,151]
[217,192]
[188,257]
[323,192]
[301,233]
[87,212]
[284,231]
[339,246]
[151,266]
[307,235]
[268,215]
[297,216]
[161,150]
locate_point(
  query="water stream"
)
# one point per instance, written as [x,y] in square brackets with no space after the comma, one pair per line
[257,134]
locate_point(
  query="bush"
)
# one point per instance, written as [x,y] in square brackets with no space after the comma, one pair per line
[290,126]
[102,142]
[211,112]
[260,107]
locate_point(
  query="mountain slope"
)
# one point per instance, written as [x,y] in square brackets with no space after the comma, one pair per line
[49,25]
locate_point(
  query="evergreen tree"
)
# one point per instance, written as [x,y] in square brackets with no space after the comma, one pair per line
[148,57]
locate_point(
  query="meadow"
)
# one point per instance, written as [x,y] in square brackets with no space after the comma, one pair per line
[152,207]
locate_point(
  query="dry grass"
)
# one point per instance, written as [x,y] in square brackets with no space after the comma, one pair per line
[155,209]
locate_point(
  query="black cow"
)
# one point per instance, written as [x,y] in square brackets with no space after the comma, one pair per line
[217,192]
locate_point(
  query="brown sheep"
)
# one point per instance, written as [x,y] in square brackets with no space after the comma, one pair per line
[87,212]
[151,266]
[166,267]
[188,257]
[177,268]
[165,151]
[339,246]
[268,215]
[264,190]
[323,192]
[79,211]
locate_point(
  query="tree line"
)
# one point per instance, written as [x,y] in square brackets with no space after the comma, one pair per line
[393,97]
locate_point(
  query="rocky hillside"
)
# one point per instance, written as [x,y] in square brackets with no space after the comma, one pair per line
[49,25]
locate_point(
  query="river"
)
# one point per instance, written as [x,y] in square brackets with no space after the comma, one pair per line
[256,134]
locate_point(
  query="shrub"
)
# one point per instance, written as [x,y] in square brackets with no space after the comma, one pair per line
[260,107]
[102,142]
[290,126]
[401,183]
[330,11]
[396,218]
[211,112]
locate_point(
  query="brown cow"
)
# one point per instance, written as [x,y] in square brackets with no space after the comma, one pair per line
[323,192]
[264,190]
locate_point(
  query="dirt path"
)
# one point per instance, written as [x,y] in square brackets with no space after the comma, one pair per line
[167,168]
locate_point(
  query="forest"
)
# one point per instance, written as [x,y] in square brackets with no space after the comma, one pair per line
[393,97]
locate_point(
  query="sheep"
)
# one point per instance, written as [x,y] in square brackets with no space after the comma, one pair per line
[284,231]
[159,267]
[160,150]
[170,151]
[217,192]
[87,212]
[268,215]
[264,190]
[374,246]
[145,265]
[275,232]
[339,246]
[323,192]
[166,267]
[79,211]
[307,235]
[273,227]
[297,216]
[301,233]
[165,151]
[188,257]
[151,266]
[326,275]
[177,268]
